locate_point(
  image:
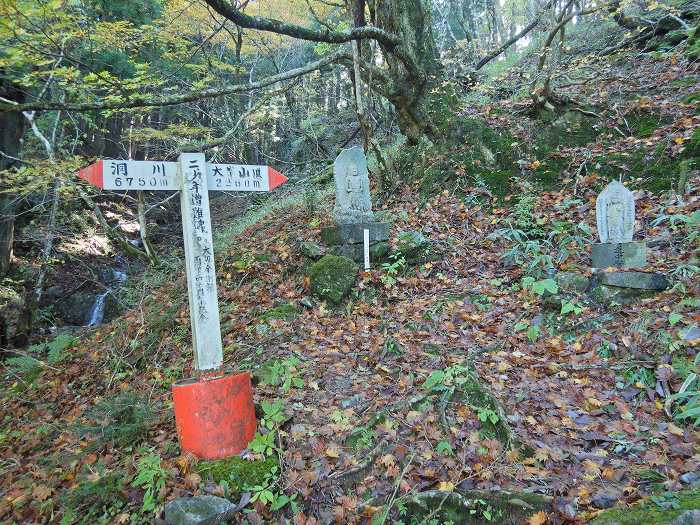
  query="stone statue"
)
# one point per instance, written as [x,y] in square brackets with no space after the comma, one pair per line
[353,204]
[615,214]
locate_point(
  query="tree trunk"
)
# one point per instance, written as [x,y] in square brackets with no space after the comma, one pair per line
[11,131]
[411,65]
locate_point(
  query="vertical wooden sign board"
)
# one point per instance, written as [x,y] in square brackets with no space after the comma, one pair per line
[199,262]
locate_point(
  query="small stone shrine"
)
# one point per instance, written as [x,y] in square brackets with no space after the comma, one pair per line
[352,212]
[616,249]
[615,219]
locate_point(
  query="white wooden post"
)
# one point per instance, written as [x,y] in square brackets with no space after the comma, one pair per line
[366,248]
[199,262]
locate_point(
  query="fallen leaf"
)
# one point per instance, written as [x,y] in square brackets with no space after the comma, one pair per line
[538,519]
[41,492]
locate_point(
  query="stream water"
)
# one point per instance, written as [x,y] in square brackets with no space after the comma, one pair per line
[97,312]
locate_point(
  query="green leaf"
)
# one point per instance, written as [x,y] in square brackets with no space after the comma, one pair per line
[533,333]
[434,379]
[549,285]
[689,413]
[567,308]
[444,448]
[674,318]
[521,325]
[279,502]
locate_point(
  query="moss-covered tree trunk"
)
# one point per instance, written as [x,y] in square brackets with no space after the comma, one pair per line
[411,65]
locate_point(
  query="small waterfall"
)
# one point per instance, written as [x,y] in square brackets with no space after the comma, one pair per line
[97,312]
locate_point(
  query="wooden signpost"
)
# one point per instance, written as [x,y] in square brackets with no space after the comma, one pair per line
[214,412]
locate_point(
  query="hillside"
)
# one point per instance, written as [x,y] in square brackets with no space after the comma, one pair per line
[476,360]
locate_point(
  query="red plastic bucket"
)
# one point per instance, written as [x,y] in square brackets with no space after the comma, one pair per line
[215,418]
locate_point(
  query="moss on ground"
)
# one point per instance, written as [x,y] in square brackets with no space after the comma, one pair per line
[283,311]
[471,391]
[658,171]
[659,510]
[643,124]
[332,277]
[239,473]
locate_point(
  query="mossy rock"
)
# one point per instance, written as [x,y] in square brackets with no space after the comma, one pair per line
[644,123]
[571,282]
[378,251]
[11,310]
[311,250]
[485,156]
[332,277]
[476,507]
[285,311]
[607,295]
[239,473]
[659,510]
[413,245]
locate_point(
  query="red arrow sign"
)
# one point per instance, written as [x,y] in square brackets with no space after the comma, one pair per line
[275,177]
[159,175]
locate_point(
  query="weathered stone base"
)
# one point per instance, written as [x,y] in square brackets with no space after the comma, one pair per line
[354,233]
[637,280]
[607,287]
[626,287]
[377,251]
[619,254]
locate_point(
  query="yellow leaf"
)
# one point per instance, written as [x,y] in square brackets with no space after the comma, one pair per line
[538,519]
[679,140]
[388,460]
[676,431]
[446,486]
[333,452]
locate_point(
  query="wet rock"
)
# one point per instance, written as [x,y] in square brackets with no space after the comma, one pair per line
[192,511]
[77,308]
[312,250]
[690,478]
[53,292]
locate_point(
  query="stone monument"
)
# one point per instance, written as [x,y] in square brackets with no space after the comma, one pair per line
[615,220]
[352,212]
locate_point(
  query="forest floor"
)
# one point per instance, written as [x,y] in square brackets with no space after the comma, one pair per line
[376,392]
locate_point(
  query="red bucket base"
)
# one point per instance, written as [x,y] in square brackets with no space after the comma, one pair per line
[216,418]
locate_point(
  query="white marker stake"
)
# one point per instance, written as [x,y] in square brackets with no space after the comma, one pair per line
[199,261]
[366,232]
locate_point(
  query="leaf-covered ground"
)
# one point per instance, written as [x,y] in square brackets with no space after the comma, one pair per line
[388,404]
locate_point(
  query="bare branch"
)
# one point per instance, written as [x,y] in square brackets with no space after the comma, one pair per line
[141,101]
[315,35]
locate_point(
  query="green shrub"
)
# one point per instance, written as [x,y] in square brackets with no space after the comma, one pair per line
[93,501]
[122,420]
